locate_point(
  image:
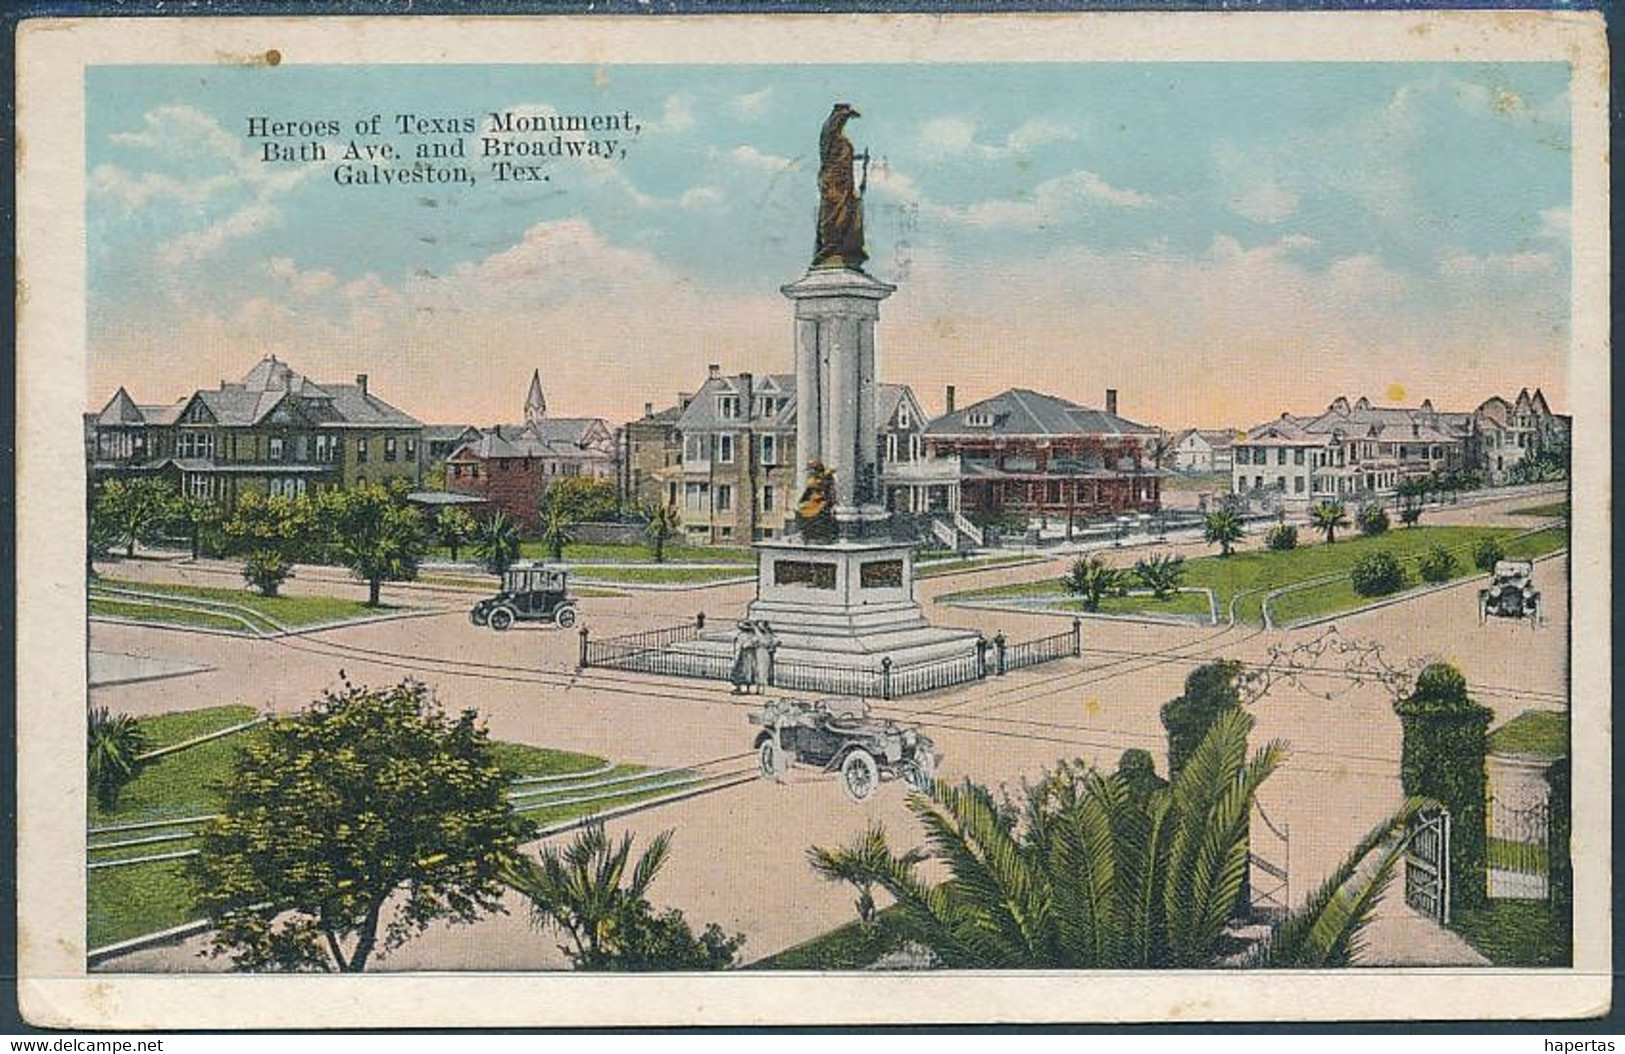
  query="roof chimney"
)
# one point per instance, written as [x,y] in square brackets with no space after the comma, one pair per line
[683,399]
[648,409]
[714,370]
[1111,400]
[745,384]
[949,399]
[361,382]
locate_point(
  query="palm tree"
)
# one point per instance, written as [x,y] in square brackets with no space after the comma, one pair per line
[1088,872]
[664,523]
[579,889]
[860,864]
[1327,517]
[114,745]
[1222,527]
[497,544]
[1093,580]
[557,524]
[1161,573]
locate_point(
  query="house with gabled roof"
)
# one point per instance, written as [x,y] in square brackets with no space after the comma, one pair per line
[1031,453]
[273,432]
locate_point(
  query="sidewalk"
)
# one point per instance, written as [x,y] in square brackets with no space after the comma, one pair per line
[1400,936]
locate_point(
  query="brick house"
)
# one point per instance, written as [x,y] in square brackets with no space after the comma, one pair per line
[513,465]
[273,432]
[1025,452]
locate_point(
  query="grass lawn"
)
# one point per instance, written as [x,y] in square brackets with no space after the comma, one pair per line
[950,565]
[1255,572]
[1543,732]
[139,612]
[664,574]
[851,947]
[1185,604]
[287,610]
[1516,933]
[608,553]
[1551,510]
[125,902]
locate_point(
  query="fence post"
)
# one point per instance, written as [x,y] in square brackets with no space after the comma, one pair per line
[699,621]
[981,657]
[583,664]
[885,678]
[1077,636]
[998,654]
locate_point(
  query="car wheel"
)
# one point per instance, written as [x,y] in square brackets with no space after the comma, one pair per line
[477,617]
[860,774]
[770,756]
[501,619]
[565,617]
[920,772]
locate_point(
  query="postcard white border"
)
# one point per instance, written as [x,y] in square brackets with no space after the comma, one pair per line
[55,989]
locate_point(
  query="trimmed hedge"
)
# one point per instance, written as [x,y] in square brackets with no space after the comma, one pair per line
[1446,736]
[1377,574]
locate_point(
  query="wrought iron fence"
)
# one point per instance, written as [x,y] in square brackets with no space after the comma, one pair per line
[1043,649]
[824,678]
[650,652]
[1427,864]
[929,676]
[1519,850]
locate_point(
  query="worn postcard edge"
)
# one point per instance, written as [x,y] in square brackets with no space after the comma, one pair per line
[54,987]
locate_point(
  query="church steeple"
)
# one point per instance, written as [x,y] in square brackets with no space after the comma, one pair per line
[535,402]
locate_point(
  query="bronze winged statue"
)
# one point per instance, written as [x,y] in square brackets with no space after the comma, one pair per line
[840,208]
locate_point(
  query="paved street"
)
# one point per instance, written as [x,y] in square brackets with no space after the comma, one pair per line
[738,856]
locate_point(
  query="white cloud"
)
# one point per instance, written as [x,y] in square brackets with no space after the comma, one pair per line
[750,104]
[750,157]
[677,115]
[949,136]
[305,283]
[1053,202]
[1265,202]
[696,199]
[1556,224]
[198,245]
[1497,265]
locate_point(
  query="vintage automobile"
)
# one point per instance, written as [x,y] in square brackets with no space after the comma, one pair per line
[838,735]
[1511,593]
[530,593]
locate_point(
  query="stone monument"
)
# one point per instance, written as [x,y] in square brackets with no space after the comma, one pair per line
[842,595]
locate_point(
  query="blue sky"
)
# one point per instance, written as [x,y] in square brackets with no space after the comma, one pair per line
[1068,227]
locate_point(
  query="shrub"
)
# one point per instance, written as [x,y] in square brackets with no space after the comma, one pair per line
[1373,520]
[1161,574]
[1377,574]
[1093,580]
[1486,553]
[115,745]
[1282,537]
[1410,515]
[265,570]
[1438,564]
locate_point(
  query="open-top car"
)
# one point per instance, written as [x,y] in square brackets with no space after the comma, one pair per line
[1511,593]
[838,735]
[530,593]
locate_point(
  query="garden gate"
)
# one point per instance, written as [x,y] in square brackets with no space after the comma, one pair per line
[1427,863]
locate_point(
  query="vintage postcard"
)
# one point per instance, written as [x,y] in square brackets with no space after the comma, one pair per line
[813,519]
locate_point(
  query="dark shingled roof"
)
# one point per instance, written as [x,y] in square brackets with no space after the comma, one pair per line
[1024,412]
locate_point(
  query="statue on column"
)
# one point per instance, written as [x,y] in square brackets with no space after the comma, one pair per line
[840,204]
[815,512]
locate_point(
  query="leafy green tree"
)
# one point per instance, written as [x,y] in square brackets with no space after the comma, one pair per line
[1487,552]
[200,519]
[586,892]
[1222,527]
[1086,874]
[115,744]
[1160,573]
[1092,580]
[1373,520]
[1281,538]
[378,539]
[1438,564]
[454,527]
[1377,574]
[860,864]
[1329,517]
[280,524]
[266,570]
[332,811]
[584,499]
[496,546]
[1210,692]
[1410,515]
[558,528]
[664,523]
[132,510]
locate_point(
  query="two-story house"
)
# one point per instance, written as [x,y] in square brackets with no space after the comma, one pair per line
[273,432]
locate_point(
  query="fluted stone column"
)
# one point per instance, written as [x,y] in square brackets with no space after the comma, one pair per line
[836,311]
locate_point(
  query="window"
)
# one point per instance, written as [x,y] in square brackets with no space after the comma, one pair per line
[197,485]
[195,444]
[326,448]
[361,450]
[725,448]
[411,450]
[979,419]
[903,418]
[726,532]
[301,447]
[728,407]
[1297,484]
[770,450]
[277,448]
[769,498]
[767,406]
[694,448]
[1280,455]
[891,446]
[916,447]
[1297,456]
[725,497]
[389,448]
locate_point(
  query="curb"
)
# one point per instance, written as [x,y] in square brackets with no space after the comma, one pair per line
[1399,598]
